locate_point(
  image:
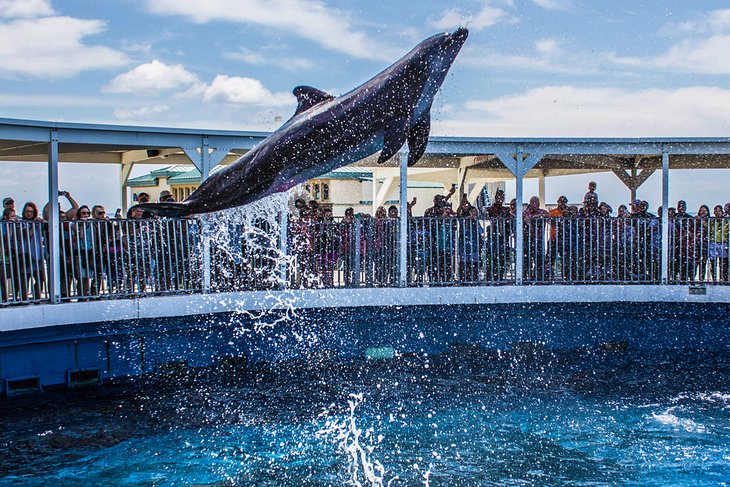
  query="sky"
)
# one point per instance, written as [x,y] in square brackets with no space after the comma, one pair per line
[530,68]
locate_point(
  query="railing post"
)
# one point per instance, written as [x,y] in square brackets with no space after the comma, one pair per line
[665,217]
[283,248]
[403,232]
[54,233]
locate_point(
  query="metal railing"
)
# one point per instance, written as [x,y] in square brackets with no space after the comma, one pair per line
[128,258]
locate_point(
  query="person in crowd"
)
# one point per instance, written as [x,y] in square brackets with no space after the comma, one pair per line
[726,210]
[70,213]
[9,270]
[8,202]
[556,238]
[471,236]
[379,246]
[683,244]
[347,246]
[410,205]
[718,246]
[136,238]
[328,246]
[534,245]
[31,253]
[497,238]
[702,242]
[421,247]
[445,242]
[591,193]
[166,197]
[84,262]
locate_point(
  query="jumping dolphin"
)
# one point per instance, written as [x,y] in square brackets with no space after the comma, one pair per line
[328,132]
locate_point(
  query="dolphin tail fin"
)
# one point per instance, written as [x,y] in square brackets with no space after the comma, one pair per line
[168,209]
[418,138]
[395,135]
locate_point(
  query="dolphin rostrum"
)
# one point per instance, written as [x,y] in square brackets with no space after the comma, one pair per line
[328,132]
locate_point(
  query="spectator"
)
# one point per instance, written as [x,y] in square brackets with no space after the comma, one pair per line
[591,194]
[8,203]
[471,236]
[702,240]
[70,214]
[30,253]
[718,246]
[498,234]
[166,197]
[556,239]
[534,244]
[8,243]
[683,244]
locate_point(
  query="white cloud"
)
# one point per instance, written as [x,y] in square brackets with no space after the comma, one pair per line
[53,46]
[152,77]
[244,91]
[554,4]
[568,111]
[548,57]
[331,28]
[483,18]
[269,59]
[141,112]
[25,9]
[706,49]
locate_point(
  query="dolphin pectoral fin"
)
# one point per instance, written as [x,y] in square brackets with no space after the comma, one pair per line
[395,135]
[307,97]
[418,138]
[170,210]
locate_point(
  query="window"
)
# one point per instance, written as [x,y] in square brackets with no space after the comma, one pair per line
[325,191]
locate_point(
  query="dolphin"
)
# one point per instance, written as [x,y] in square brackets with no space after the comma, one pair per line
[327,132]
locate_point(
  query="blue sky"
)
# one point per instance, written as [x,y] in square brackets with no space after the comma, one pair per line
[530,67]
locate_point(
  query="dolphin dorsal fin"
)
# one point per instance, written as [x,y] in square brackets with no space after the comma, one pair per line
[307,97]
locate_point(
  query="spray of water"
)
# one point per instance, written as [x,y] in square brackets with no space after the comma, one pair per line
[357,445]
[246,251]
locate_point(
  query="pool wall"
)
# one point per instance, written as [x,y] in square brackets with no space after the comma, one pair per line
[51,355]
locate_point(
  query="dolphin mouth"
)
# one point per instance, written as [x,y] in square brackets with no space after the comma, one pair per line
[459,35]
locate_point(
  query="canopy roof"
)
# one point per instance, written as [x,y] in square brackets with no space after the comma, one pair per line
[27,140]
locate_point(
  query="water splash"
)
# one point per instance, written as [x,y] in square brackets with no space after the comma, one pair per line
[249,239]
[362,468]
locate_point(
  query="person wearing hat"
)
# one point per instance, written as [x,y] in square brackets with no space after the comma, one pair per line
[556,238]
[143,198]
[166,196]
[9,203]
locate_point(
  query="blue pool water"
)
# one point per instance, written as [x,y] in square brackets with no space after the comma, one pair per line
[528,415]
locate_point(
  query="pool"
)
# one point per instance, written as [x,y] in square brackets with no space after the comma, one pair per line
[462,395]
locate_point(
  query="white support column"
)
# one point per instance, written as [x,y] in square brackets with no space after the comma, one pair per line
[375,192]
[403,233]
[541,187]
[519,230]
[519,165]
[124,171]
[54,231]
[665,216]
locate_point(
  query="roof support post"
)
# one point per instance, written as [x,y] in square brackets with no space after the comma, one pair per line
[633,180]
[54,229]
[206,159]
[519,165]
[383,193]
[665,216]
[519,228]
[541,187]
[124,171]
[374,192]
[403,232]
